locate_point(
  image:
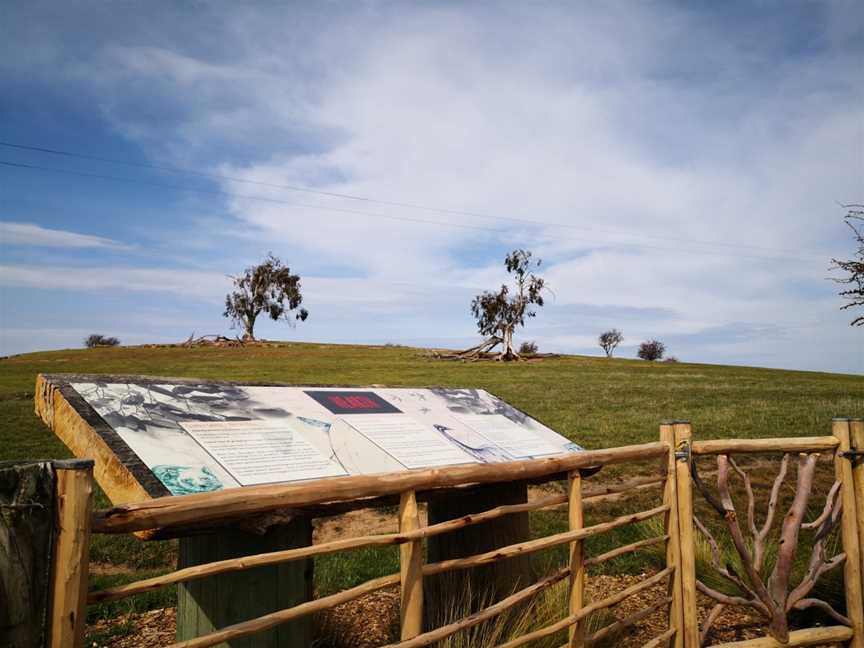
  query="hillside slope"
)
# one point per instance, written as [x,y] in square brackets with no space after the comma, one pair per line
[594,401]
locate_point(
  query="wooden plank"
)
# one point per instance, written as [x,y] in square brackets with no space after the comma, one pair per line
[410,569]
[576,519]
[673,546]
[524,548]
[237,502]
[614,629]
[857,439]
[274,557]
[785,444]
[71,556]
[625,549]
[218,601]
[684,494]
[660,639]
[808,637]
[849,533]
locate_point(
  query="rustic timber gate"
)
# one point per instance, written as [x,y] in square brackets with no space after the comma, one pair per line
[770,596]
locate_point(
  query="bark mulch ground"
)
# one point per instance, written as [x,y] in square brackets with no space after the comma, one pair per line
[373,620]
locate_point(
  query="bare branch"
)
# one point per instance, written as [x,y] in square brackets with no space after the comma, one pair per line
[818,566]
[709,621]
[751,502]
[735,531]
[727,572]
[829,504]
[825,607]
[771,596]
[706,492]
[726,599]
[759,540]
[778,582]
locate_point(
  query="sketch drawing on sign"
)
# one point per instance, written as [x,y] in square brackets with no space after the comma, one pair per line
[204,437]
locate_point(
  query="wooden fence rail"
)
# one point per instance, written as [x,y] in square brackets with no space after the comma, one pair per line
[675,448]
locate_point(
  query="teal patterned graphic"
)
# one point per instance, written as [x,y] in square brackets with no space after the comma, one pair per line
[186,480]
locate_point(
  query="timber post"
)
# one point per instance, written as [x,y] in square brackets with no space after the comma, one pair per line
[857,429]
[686,538]
[221,600]
[71,555]
[849,530]
[673,544]
[410,569]
[479,584]
[576,519]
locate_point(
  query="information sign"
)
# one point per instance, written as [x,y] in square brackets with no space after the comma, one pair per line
[185,436]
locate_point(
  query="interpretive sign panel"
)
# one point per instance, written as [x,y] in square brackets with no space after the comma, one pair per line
[184,436]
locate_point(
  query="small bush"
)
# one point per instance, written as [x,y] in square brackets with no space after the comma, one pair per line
[651,350]
[528,348]
[99,340]
[671,359]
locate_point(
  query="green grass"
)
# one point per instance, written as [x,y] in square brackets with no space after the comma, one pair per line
[593,401]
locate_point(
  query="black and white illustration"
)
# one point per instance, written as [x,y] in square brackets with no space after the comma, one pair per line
[205,437]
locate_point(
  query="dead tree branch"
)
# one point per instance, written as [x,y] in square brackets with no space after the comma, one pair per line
[770,596]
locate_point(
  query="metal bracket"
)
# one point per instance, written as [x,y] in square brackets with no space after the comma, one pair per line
[682,453]
[853,454]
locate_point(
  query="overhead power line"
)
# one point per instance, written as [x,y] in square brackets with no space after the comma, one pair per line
[408,219]
[366,199]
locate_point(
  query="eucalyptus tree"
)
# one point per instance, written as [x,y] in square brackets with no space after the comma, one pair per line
[499,313]
[269,288]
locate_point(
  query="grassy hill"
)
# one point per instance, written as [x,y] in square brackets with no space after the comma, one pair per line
[594,401]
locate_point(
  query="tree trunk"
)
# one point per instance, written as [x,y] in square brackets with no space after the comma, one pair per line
[508,352]
[249,326]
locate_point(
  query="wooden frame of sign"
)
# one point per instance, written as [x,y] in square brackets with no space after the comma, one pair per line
[225,599]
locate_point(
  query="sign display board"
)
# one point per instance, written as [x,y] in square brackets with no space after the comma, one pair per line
[191,437]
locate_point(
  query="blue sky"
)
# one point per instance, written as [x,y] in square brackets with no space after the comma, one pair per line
[677,166]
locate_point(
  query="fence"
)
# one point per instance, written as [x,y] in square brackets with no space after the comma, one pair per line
[771,596]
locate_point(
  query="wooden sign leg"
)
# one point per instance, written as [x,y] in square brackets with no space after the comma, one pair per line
[481,586]
[217,601]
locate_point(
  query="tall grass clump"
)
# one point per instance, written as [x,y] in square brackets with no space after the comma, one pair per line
[547,607]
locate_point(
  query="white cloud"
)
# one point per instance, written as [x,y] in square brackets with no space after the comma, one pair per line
[35,235]
[695,167]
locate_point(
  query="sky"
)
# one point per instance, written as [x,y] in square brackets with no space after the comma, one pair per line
[679,167]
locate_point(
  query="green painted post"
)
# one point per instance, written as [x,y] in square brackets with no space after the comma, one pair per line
[218,601]
[473,589]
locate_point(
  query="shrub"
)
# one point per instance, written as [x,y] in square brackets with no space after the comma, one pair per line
[651,350]
[99,340]
[528,348]
[671,359]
